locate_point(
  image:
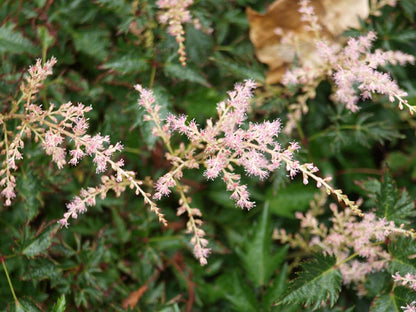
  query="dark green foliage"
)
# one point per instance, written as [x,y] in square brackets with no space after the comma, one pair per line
[403,261]
[118,248]
[391,203]
[257,259]
[318,281]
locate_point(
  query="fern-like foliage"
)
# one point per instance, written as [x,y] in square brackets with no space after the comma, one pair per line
[393,204]
[319,281]
[402,252]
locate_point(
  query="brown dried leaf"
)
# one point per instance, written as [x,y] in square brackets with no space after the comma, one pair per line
[134,297]
[335,16]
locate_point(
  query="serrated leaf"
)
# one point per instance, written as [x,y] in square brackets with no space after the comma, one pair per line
[28,306]
[12,41]
[185,73]
[18,307]
[60,305]
[42,269]
[393,301]
[392,204]
[293,197]
[40,243]
[257,259]
[93,42]
[29,188]
[384,303]
[402,251]
[318,281]
[239,70]
[126,64]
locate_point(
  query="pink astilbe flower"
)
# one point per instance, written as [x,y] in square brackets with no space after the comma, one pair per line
[308,16]
[354,66]
[408,280]
[57,129]
[350,238]
[176,13]
[409,307]
[221,147]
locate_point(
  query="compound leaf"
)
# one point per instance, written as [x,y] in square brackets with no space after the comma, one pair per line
[318,281]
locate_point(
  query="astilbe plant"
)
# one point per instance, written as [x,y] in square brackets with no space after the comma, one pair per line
[175,13]
[352,69]
[350,239]
[220,148]
[56,128]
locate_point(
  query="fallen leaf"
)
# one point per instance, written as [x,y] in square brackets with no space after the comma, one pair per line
[134,297]
[334,16]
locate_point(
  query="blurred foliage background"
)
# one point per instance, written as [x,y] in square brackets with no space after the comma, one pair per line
[117,257]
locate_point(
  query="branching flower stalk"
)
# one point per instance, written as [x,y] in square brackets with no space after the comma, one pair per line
[54,128]
[357,242]
[221,147]
[349,68]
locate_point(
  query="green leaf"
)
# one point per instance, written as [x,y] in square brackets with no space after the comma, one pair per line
[200,103]
[29,188]
[409,7]
[18,307]
[46,39]
[384,303]
[276,289]
[257,259]
[40,243]
[126,64]
[402,251]
[93,42]
[238,70]
[119,6]
[122,232]
[60,305]
[185,73]
[392,204]
[198,45]
[237,292]
[318,281]
[377,283]
[12,41]
[287,200]
[393,301]
[27,306]
[42,269]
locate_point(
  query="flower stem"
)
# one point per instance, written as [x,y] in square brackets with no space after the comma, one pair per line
[8,279]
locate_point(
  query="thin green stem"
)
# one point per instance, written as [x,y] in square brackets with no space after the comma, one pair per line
[152,76]
[8,279]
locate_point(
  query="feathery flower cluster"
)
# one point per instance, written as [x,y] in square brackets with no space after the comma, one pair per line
[356,243]
[175,15]
[352,67]
[408,280]
[409,307]
[308,16]
[55,128]
[221,147]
